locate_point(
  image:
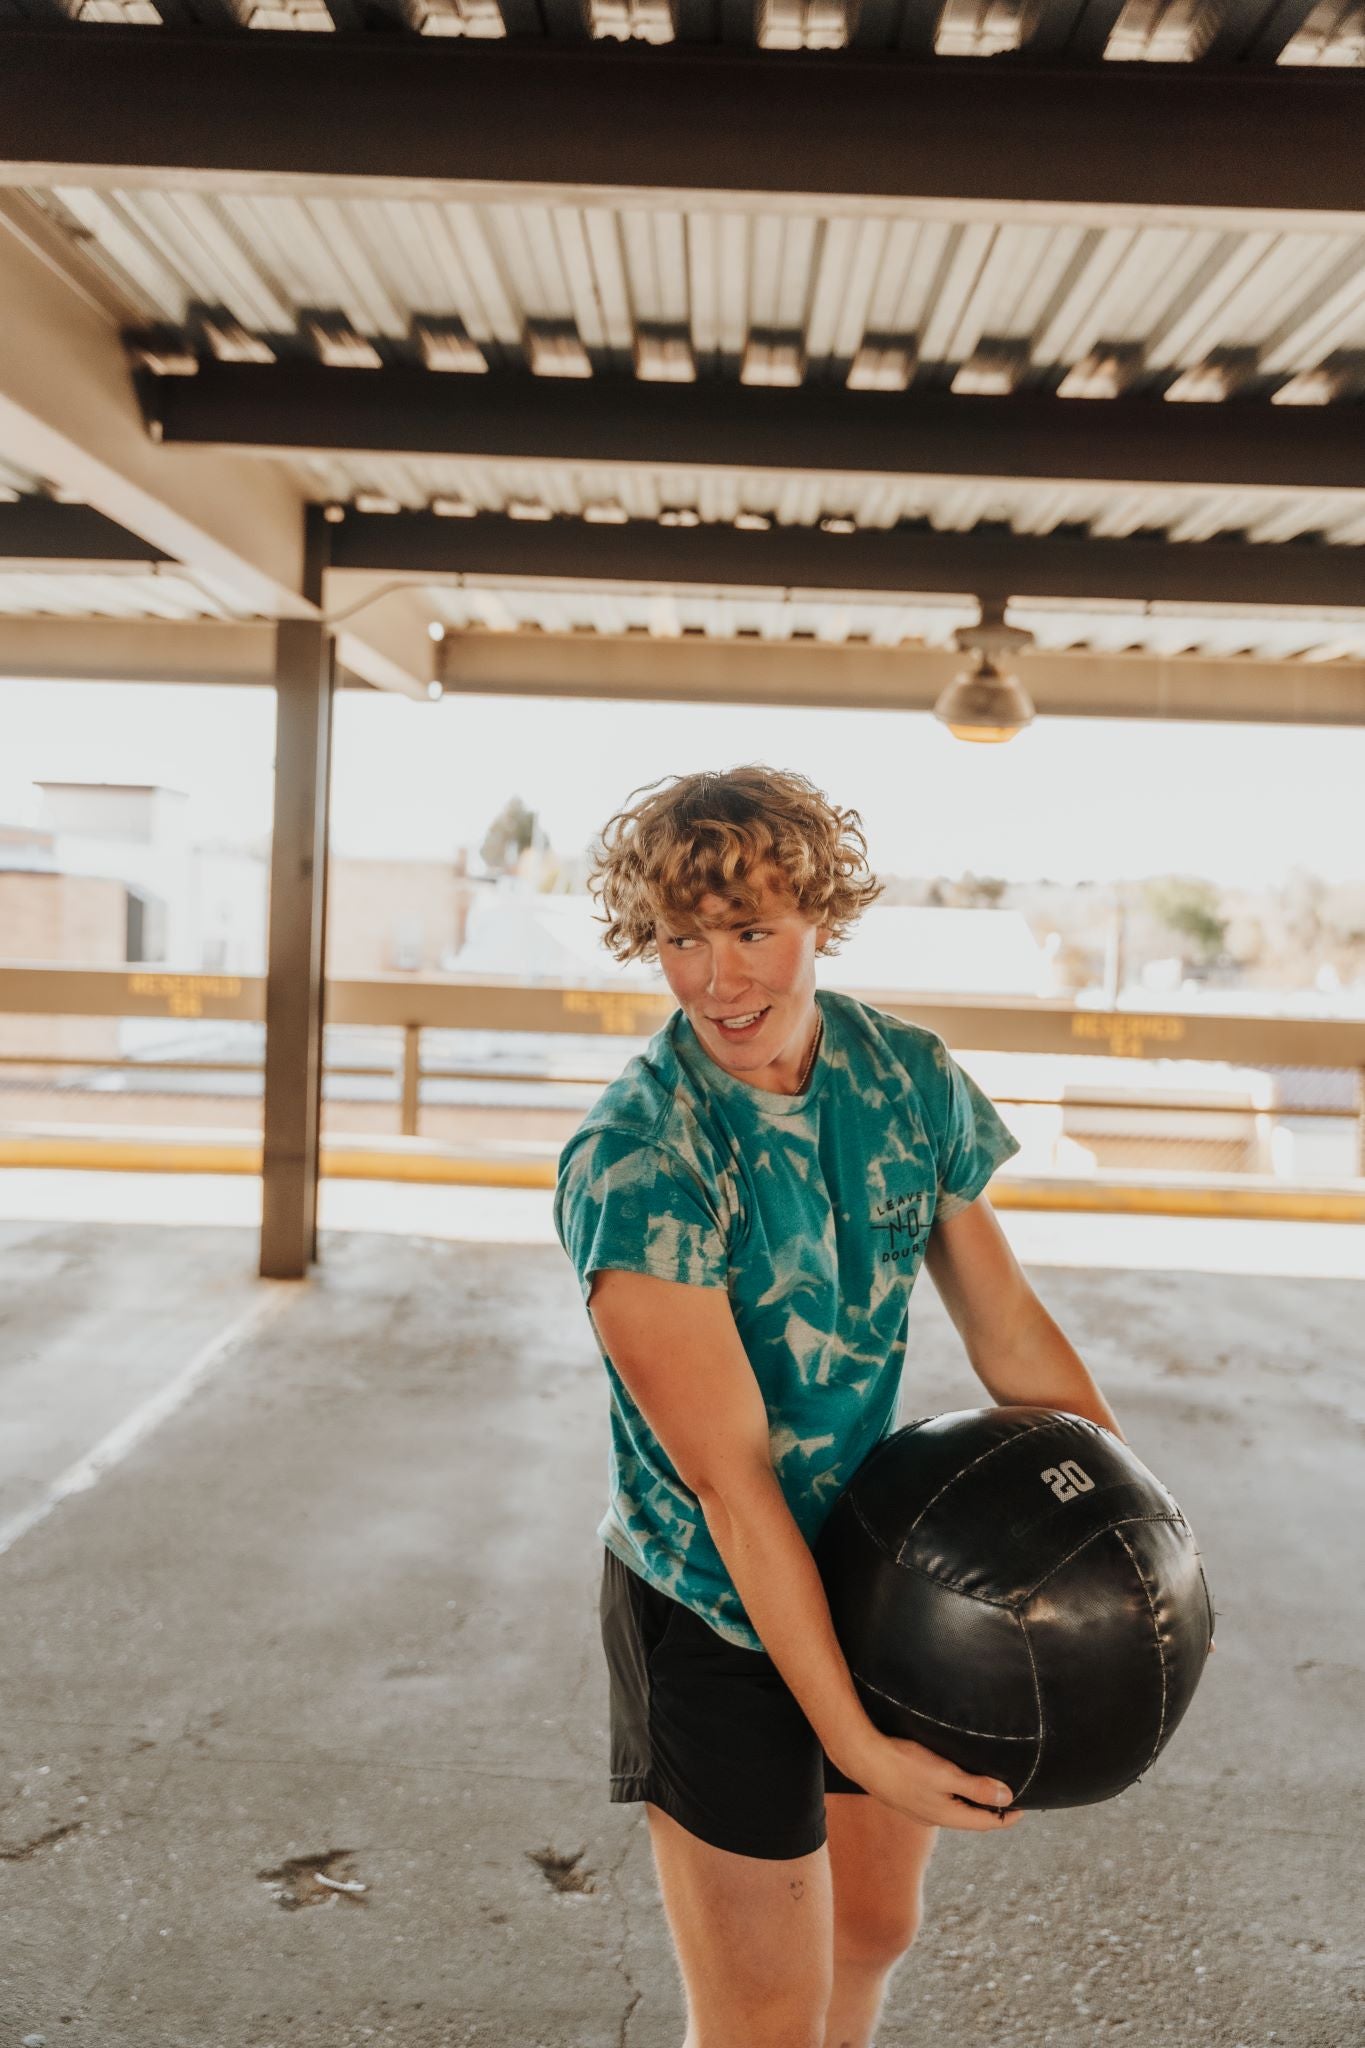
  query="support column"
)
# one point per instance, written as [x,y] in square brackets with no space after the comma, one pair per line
[324,868]
[305,669]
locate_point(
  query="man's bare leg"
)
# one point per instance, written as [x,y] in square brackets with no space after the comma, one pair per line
[877,1862]
[753,1938]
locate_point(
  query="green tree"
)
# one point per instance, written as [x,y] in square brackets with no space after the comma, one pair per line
[1190,908]
[509,835]
[980,892]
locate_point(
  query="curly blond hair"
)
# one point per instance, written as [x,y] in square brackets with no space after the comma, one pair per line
[725,834]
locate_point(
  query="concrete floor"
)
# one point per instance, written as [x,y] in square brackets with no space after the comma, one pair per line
[324,1601]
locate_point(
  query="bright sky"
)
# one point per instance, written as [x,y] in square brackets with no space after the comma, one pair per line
[1070,799]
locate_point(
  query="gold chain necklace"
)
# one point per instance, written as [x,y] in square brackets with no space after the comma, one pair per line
[810,1058]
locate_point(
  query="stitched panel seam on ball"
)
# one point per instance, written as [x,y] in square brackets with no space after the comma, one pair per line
[1125,1521]
[1042,1712]
[872,1535]
[907,1564]
[1005,1443]
[1161,1654]
[988,1734]
[1208,1597]
[1012,1601]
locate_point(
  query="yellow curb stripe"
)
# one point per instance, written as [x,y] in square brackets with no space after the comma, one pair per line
[131,1155]
[146,1155]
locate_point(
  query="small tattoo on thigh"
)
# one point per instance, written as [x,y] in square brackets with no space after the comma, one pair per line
[797,1888]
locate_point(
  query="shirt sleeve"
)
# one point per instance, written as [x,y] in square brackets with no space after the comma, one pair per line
[973,1142]
[626,1203]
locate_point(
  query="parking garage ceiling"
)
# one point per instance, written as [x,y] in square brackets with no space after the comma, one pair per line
[711,322]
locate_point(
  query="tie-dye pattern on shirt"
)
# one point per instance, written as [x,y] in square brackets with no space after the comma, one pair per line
[813,1211]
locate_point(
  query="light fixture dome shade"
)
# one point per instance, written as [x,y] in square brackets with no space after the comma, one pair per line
[985,704]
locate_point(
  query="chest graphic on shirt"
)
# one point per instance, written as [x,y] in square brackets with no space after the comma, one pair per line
[901,1224]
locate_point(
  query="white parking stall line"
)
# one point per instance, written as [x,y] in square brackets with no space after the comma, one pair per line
[126,1435]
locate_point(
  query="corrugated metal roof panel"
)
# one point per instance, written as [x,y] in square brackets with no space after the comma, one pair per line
[1333,34]
[1170,630]
[1153,31]
[944,287]
[72,596]
[943,284]
[509,607]
[1158,32]
[505,606]
[1187,512]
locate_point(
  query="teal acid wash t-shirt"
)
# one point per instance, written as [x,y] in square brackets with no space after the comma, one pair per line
[813,1211]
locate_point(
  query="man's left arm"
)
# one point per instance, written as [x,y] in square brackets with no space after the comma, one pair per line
[1016,1350]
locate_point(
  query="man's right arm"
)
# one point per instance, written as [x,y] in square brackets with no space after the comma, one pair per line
[679,1353]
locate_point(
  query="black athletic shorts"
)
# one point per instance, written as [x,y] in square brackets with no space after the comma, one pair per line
[706,1730]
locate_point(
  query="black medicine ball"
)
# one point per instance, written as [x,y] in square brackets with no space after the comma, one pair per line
[1014,1590]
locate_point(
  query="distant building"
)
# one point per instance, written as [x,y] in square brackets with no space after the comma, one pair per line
[132,833]
[124,847]
[49,918]
[399,916]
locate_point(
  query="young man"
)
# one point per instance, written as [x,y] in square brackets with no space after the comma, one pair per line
[747,1207]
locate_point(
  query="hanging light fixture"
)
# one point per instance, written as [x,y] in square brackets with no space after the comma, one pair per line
[986,703]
